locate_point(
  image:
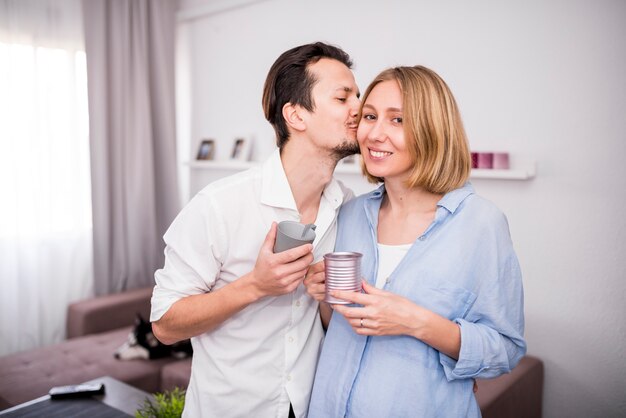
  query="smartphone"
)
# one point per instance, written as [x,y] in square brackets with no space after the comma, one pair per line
[76,391]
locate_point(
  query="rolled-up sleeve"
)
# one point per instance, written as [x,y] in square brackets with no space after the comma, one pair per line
[492,341]
[193,255]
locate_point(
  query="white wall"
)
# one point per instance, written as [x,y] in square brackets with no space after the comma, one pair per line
[541,79]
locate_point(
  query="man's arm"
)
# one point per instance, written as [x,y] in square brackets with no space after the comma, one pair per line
[273,275]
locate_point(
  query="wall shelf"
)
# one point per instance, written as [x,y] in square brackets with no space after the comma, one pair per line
[522,172]
[225,164]
[526,172]
[204,172]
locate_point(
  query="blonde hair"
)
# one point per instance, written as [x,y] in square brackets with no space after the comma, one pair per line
[433,130]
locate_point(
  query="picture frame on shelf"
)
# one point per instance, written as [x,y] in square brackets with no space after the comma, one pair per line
[242,148]
[206,150]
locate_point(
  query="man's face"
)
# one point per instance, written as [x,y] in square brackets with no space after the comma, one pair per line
[333,124]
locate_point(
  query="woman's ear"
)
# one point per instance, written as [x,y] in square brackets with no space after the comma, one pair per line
[292,116]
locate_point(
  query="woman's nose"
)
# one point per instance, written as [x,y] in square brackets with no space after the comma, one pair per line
[377,133]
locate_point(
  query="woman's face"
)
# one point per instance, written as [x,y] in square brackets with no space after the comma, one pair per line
[381,134]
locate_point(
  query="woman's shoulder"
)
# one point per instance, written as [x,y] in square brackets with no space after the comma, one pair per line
[483,213]
[480,204]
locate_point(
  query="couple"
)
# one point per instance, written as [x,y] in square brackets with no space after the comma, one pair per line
[442,300]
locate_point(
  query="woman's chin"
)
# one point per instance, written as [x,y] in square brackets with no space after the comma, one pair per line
[375,172]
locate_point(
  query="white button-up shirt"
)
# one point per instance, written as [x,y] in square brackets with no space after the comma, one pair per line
[264,357]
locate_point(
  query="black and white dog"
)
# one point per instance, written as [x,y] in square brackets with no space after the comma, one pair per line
[143,344]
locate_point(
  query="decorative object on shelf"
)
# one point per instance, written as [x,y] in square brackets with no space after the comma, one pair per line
[206,151]
[474,160]
[485,160]
[501,161]
[242,149]
[490,160]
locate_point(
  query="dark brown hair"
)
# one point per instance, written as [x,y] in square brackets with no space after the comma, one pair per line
[290,81]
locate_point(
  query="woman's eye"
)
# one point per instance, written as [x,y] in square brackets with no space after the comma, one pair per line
[397,120]
[369,117]
[342,99]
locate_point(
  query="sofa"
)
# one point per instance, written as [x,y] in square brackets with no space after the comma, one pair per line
[98,326]
[95,328]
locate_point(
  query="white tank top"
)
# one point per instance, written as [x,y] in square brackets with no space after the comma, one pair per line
[389,256]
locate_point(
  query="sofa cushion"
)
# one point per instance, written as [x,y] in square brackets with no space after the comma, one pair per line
[107,313]
[30,374]
[176,374]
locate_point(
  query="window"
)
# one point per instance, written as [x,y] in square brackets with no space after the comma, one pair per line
[45,211]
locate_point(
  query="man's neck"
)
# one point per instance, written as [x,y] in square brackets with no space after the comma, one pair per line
[308,172]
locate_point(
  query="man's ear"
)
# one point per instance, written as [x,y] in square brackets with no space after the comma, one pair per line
[293,117]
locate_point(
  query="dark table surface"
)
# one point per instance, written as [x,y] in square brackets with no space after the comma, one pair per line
[119,399]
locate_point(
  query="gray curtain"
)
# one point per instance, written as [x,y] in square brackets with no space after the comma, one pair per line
[130,67]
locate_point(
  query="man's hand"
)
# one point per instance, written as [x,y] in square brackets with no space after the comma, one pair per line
[315,281]
[279,274]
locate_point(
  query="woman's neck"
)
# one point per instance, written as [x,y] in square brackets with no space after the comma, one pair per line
[401,199]
[405,213]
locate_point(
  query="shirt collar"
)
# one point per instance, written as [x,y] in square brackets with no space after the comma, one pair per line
[276,192]
[334,193]
[452,200]
[378,193]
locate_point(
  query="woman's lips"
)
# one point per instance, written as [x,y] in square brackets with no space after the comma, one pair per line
[378,155]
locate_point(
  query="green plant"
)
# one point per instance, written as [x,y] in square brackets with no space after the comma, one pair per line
[168,404]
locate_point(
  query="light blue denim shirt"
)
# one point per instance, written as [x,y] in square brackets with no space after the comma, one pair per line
[463,268]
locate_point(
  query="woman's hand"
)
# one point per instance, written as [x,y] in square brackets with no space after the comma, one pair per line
[315,281]
[383,313]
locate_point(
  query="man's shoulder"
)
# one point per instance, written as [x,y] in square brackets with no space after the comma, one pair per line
[234,186]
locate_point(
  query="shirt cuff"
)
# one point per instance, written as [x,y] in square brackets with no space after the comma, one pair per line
[474,355]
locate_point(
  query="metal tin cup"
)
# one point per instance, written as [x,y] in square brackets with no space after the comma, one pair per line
[291,234]
[343,272]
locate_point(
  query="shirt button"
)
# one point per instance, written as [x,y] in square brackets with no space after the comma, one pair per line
[297,303]
[422,238]
[387,280]
[290,339]
[289,377]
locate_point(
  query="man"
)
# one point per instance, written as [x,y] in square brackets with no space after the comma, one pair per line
[255,331]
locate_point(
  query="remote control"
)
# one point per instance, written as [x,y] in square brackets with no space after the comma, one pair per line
[76,391]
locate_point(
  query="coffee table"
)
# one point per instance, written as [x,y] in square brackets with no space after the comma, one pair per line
[122,399]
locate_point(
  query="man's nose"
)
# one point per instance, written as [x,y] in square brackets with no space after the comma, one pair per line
[355,106]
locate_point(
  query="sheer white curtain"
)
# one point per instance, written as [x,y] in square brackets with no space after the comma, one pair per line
[45,211]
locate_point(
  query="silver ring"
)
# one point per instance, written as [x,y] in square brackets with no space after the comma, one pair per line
[361,322]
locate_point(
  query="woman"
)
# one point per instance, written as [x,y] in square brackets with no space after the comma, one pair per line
[443,300]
